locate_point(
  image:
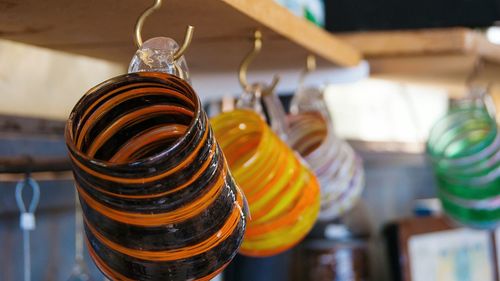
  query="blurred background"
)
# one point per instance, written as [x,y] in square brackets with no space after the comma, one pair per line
[418,58]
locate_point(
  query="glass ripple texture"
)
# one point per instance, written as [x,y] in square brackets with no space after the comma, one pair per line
[338,167]
[464,147]
[158,199]
[283,195]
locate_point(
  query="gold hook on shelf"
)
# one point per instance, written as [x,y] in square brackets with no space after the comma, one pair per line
[310,67]
[242,74]
[140,22]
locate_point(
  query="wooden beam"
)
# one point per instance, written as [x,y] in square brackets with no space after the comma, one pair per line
[412,42]
[302,32]
[445,71]
[443,41]
[104,28]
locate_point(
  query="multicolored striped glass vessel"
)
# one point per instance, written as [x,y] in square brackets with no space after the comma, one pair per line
[464,147]
[338,168]
[158,199]
[283,195]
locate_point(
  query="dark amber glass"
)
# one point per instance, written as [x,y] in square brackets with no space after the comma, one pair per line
[158,199]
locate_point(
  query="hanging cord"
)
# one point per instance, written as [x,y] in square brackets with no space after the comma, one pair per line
[27,219]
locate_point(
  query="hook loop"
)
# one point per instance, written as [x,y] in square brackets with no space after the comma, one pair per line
[34,199]
[188,37]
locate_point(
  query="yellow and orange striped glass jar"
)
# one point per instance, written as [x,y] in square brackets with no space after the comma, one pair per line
[158,199]
[283,195]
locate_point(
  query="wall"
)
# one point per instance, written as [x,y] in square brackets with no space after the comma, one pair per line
[45,83]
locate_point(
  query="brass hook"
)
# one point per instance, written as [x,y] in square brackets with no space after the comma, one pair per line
[242,74]
[140,22]
[310,67]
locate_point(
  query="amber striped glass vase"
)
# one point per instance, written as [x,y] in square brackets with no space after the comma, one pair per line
[282,193]
[158,199]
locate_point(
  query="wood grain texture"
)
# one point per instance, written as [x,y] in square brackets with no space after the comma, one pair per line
[449,71]
[425,41]
[444,41]
[104,29]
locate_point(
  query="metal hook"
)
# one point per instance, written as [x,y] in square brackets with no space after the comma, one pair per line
[27,218]
[310,67]
[34,199]
[242,73]
[188,37]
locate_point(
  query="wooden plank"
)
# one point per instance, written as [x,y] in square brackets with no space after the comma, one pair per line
[300,31]
[439,66]
[424,42]
[449,71]
[104,28]
[395,43]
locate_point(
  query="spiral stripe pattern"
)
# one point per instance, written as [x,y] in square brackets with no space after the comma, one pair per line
[464,147]
[158,199]
[283,195]
[338,168]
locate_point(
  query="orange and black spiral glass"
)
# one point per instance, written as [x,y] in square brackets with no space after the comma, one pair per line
[158,199]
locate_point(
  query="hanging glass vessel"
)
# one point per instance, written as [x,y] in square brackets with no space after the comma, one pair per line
[158,199]
[464,147]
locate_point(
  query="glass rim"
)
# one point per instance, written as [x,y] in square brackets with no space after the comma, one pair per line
[69,134]
[444,124]
[265,131]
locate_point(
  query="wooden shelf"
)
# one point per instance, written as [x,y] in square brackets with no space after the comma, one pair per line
[436,41]
[104,28]
[443,57]
[409,42]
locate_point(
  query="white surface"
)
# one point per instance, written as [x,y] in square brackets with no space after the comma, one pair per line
[43,83]
[380,110]
[455,255]
[493,34]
